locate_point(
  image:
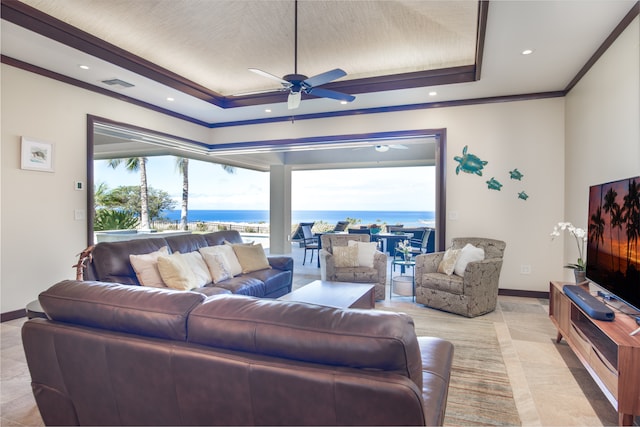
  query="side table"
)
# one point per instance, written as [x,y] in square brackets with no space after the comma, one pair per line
[404,283]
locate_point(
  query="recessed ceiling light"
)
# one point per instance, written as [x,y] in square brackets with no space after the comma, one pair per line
[268,110]
[84,67]
[343,102]
[170,99]
[527,51]
[433,93]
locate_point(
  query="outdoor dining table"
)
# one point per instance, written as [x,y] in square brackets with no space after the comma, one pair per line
[388,241]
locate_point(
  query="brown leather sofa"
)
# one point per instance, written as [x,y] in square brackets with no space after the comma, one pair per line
[109,262]
[111,354]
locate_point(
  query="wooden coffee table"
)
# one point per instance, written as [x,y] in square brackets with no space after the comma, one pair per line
[335,294]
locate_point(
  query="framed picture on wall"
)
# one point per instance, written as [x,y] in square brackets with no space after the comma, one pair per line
[36,155]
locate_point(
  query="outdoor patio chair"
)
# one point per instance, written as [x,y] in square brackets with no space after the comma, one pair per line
[340,226]
[418,242]
[309,242]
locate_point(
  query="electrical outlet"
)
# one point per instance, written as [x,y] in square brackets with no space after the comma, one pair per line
[525,269]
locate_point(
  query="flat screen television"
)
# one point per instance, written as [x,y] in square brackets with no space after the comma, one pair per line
[613,236]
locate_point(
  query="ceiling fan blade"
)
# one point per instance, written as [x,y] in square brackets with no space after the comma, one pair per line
[326,77]
[258,92]
[294,100]
[269,76]
[399,147]
[326,93]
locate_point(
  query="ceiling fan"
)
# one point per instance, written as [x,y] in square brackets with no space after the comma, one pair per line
[383,148]
[297,84]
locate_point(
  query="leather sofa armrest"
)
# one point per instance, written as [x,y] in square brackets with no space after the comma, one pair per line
[283,263]
[437,358]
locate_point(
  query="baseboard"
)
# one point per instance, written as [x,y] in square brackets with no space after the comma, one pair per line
[12,315]
[521,293]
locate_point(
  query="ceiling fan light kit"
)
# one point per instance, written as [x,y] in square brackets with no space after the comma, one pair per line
[297,84]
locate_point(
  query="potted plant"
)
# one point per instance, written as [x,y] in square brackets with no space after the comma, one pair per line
[375,228]
[405,247]
[580,236]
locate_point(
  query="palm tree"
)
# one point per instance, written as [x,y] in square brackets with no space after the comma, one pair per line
[617,219]
[609,207]
[596,229]
[632,217]
[182,166]
[135,164]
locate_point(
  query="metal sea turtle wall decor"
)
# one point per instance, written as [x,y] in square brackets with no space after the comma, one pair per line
[472,164]
[469,163]
[494,184]
[516,174]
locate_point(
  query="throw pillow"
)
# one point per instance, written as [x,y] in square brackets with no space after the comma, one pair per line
[146,268]
[448,262]
[366,252]
[346,256]
[198,267]
[467,254]
[218,266]
[251,257]
[176,273]
[229,255]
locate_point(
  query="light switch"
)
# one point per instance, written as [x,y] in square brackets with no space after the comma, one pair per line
[79,214]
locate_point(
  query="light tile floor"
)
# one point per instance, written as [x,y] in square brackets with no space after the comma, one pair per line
[550,386]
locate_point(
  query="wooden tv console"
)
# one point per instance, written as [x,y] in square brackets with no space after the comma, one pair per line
[606,350]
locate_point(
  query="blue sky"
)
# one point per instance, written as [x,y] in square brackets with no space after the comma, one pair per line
[210,187]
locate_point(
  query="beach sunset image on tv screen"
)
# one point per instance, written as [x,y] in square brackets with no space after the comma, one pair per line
[613,236]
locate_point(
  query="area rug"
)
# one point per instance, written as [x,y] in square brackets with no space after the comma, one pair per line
[480,392]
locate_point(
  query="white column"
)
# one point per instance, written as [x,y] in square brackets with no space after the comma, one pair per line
[280,210]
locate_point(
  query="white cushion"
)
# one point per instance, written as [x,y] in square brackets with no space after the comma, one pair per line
[468,254]
[198,267]
[176,273]
[346,256]
[218,266]
[146,268]
[448,262]
[251,257]
[366,252]
[229,255]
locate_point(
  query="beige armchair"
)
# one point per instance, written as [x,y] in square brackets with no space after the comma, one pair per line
[328,270]
[473,294]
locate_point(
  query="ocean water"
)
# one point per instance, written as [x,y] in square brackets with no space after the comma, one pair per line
[408,218]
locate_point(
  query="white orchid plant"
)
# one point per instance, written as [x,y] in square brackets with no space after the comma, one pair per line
[405,247]
[580,236]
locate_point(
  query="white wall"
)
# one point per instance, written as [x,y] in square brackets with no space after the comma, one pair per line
[603,126]
[39,236]
[527,135]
